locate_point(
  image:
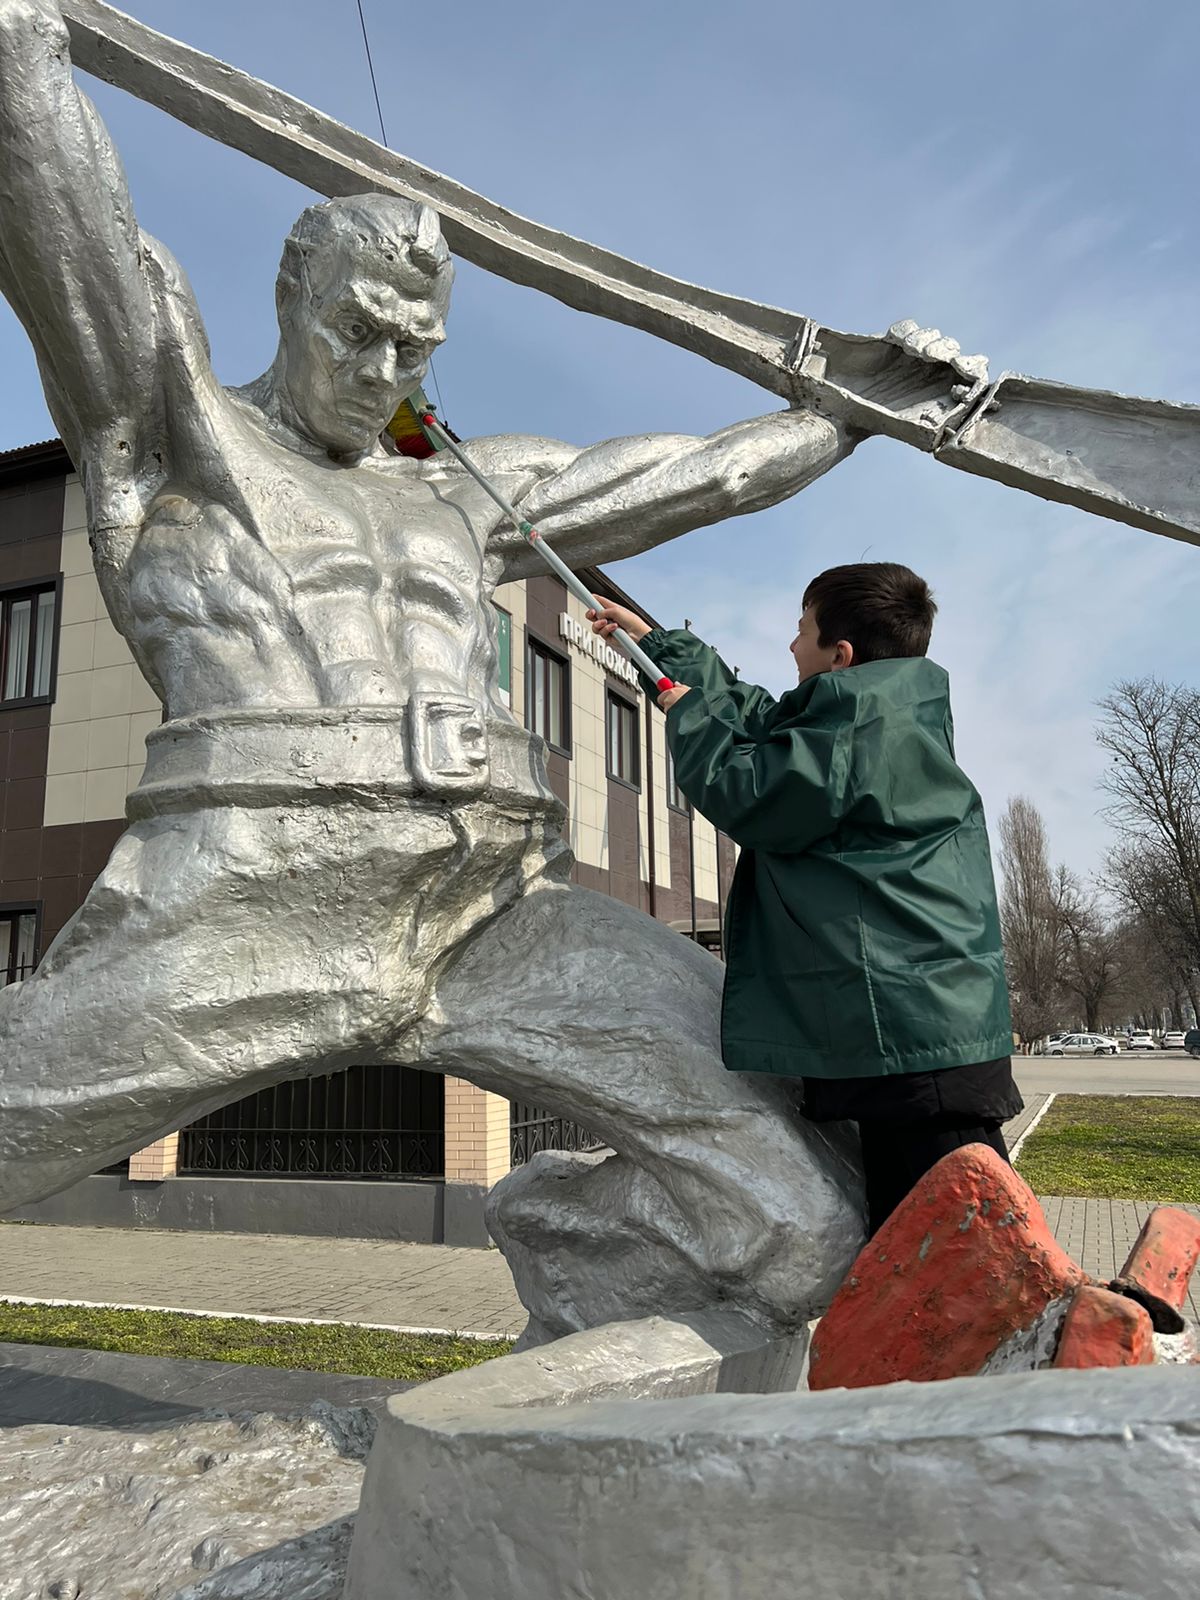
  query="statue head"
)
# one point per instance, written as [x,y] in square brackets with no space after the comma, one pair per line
[362,295]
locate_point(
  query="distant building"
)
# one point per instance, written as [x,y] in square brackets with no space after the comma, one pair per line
[409,1154]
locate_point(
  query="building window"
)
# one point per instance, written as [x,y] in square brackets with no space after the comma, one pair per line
[676,798]
[27,642]
[18,945]
[548,695]
[623,747]
[504,653]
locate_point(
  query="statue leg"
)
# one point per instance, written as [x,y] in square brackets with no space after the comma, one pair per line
[220,951]
[715,1192]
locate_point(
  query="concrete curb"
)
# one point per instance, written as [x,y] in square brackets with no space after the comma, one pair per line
[1037,1117]
[252,1316]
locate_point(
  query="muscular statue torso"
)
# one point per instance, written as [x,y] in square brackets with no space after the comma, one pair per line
[321,584]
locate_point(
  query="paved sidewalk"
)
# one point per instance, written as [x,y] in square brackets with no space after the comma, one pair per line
[1034,1106]
[1099,1234]
[378,1281]
[346,1280]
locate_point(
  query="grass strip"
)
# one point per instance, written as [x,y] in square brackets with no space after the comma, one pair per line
[311,1347]
[1117,1147]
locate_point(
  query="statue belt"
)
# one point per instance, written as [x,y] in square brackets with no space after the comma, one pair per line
[438,747]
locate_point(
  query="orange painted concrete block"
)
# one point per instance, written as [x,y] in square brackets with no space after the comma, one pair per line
[1102,1329]
[1166,1251]
[964,1262]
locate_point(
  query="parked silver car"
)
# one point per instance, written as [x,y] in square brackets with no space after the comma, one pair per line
[1084,1044]
[1174,1039]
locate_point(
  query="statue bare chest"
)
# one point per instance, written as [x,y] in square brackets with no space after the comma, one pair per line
[310,530]
[355,582]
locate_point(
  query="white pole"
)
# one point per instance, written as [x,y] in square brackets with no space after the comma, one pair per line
[637,655]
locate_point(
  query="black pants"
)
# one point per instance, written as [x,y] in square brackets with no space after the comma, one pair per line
[896,1155]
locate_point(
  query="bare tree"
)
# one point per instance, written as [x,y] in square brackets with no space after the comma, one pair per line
[1152,731]
[1092,968]
[1033,937]
[1144,883]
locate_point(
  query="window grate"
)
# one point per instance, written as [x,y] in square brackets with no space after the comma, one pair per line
[378,1123]
[18,945]
[532,1131]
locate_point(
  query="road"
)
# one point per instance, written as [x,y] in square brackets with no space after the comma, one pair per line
[1132,1072]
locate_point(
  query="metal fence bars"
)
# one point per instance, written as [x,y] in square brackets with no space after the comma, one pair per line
[379,1122]
[18,945]
[532,1130]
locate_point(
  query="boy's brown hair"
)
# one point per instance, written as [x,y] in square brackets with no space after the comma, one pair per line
[880,607]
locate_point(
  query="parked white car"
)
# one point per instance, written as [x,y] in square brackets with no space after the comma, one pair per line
[1174,1039]
[1140,1039]
[1084,1044]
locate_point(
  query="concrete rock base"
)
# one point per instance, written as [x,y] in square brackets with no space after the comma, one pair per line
[913,1493]
[638,1460]
[220,1508]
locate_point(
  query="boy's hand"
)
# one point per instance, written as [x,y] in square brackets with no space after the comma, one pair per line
[669,696]
[606,618]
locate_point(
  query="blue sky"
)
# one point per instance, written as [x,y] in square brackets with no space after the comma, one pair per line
[1021,176]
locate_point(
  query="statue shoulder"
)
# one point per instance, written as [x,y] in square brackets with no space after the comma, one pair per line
[178,323]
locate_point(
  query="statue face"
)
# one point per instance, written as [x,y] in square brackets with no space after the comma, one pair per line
[356,340]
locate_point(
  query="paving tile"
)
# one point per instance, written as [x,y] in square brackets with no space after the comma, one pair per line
[347,1279]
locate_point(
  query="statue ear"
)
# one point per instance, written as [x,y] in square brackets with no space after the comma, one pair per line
[289,277]
[427,249]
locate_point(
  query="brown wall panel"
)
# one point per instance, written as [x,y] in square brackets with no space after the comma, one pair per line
[30,511]
[84,848]
[558,771]
[20,855]
[24,803]
[37,865]
[675,902]
[545,598]
[28,749]
[31,518]
[623,825]
[62,848]
[589,877]
[29,560]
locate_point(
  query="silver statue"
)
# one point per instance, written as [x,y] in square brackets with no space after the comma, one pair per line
[344,848]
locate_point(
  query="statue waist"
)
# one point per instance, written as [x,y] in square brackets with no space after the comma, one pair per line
[438,747]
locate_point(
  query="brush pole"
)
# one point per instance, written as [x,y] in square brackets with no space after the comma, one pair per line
[551,557]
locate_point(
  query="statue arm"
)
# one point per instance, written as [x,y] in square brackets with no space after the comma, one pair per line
[627,495]
[69,243]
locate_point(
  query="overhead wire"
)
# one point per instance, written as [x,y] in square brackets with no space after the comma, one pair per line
[371,69]
[387,146]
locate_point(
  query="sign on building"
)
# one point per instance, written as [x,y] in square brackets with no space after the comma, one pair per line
[591,644]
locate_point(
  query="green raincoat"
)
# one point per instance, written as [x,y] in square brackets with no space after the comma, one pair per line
[862,933]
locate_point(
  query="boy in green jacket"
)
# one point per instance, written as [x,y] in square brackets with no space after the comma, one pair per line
[862,935]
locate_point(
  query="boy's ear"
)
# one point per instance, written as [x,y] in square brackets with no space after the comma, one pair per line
[843,654]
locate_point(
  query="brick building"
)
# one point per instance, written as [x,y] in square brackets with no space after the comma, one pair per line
[391,1152]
